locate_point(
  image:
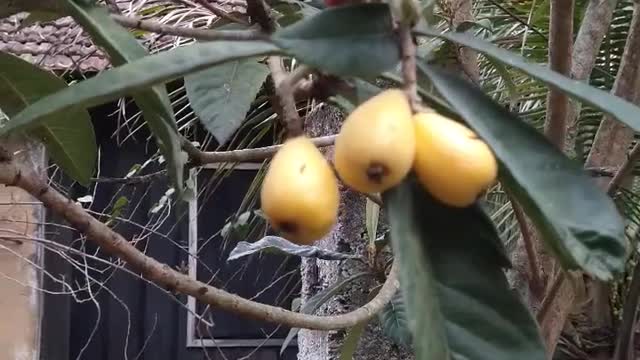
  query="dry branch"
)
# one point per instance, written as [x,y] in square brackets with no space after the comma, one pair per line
[199,34]
[113,243]
[560,43]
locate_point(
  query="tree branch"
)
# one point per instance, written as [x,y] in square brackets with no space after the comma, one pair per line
[408,49]
[624,170]
[536,283]
[200,34]
[199,157]
[560,42]
[220,13]
[595,25]
[113,243]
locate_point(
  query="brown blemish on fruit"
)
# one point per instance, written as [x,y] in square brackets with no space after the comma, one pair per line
[376,172]
[288,227]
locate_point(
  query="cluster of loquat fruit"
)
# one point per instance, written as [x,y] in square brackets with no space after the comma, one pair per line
[379,143]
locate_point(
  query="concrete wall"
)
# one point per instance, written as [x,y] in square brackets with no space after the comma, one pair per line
[20,301]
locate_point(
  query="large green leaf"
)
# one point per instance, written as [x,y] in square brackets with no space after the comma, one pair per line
[576,218]
[154,103]
[222,95]
[453,282]
[350,343]
[395,321]
[138,75]
[350,40]
[610,104]
[69,137]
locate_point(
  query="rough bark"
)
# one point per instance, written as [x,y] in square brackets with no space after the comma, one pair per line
[609,149]
[595,24]
[560,44]
[347,236]
[612,143]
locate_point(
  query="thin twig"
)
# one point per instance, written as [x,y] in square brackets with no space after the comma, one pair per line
[132,179]
[220,13]
[113,243]
[408,49]
[199,34]
[535,279]
[199,157]
[285,97]
[625,168]
[550,297]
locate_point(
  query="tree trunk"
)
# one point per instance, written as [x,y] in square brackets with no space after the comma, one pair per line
[21,216]
[317,275]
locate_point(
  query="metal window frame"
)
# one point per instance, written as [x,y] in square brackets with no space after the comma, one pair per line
[192,340]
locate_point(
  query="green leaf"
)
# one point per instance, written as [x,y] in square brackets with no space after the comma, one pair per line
[138,75]
[610,104]
[372,213]
[350,40]
[394,321]
[453,282]
[576,218]
[222,95]
[154,102]
[350,342]
[69,137]
[316,301]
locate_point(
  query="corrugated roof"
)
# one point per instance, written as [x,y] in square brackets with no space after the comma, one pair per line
[55,45]
[61,45]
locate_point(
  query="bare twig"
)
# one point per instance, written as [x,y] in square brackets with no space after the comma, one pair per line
[200,34]
[285,97]
[626,332]
[408,49]
[535,279]
[550,297]
[560,43]
[132,180]
[220,12]
[113,243]
[199,157]
[624,170]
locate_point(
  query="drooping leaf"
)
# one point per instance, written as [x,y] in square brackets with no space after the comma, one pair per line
[69,137]
[610,104]
[453,282]
[577,219]
[138,75]
[350,342]
[222,95]
[278,244]
[394,321]
[372,213]
[349,40]
[123,48]
[319,299]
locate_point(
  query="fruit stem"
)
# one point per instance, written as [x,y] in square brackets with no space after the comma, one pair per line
[408,50]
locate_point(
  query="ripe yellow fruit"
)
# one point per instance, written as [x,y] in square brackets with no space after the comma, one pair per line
[451,162]
[299,194]
[376,145]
